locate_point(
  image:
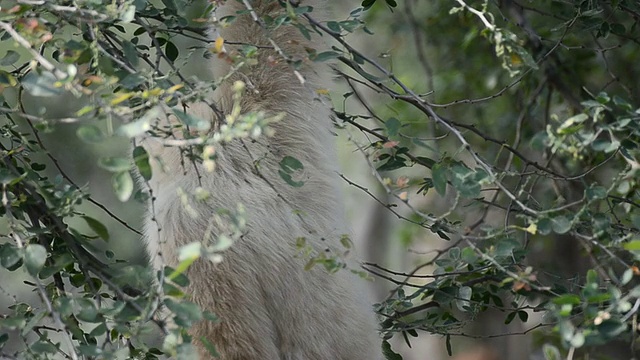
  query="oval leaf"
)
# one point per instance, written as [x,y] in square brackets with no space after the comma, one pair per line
[439,174]
[115,164]
[10,58]
[141,159]
[138,127]
[123,185]
[551,352]
[35,256]
[90,134]
[10,256]
[560,225]
[192,121]
[97,227]
[288,166]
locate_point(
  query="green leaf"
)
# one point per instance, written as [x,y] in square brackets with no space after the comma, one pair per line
[115,164]
[334,26]
[622,102]
[123,185]
[618,29]
[560,224]
[90,134]
[10,58]
[187,255]
[388,353]
[134,276]
[394,163]
[35,255]
[10,256]
[223,243]
[425,161]
[595,193]
[90,350]
[603,98]
[171,51]
[4,337]
[210,347]
[178,279]
[551,352]
[43,347]
[611,328]
[439,174]
[7,177]
[97,227]
[42,85]
[544,226]
[141,159]
[139,126]
[192,121]
[12,323]
[346,242]
[570,299]
[469,255]
[60,261]
[633,245]
[626,277]
[185,313]
[324,56]
[523,315]
[64,306]
[510,317]
[466,181]
[366,75]
[393,126]
[130,53]
[464,297]
[288,166]
[506,247]
[38,167]
[128,14]
[88,311]
[131,81]
[7,79]
[78,280]
[186,351]
[170,4]
[577,340]
[367,3]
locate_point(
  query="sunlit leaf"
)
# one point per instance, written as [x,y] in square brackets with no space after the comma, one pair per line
[35,256]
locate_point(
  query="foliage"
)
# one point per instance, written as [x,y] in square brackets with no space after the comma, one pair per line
[561,167]
[528,134]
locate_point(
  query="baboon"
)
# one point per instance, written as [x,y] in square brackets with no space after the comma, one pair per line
[269,306]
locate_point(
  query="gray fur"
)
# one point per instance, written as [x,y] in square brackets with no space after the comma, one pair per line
[269,306]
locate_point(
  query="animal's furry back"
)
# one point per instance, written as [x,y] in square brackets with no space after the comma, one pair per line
[269,306]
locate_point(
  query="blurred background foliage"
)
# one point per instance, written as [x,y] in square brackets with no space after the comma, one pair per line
[490,153]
